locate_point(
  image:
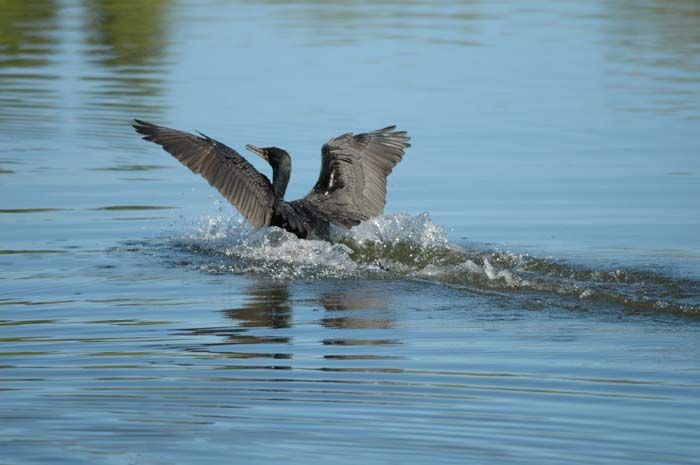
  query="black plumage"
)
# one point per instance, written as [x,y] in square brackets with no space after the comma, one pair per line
[351,186]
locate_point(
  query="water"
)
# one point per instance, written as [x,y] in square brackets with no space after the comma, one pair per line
[531,295]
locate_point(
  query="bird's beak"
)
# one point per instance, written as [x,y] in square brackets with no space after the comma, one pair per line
[257,150]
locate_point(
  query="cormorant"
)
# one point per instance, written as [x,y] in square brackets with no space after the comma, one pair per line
[351,187]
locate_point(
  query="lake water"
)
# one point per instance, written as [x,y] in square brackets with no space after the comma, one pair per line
[532,294]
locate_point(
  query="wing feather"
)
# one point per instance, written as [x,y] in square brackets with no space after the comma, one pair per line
[352,184]
[225,169]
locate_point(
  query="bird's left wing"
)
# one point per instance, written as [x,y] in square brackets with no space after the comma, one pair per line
[352,184]
[232,175]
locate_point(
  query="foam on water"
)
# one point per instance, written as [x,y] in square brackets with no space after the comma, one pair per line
[402,246]
[232,245]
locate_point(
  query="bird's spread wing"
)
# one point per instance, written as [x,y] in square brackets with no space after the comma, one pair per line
[237,180]
[352,185]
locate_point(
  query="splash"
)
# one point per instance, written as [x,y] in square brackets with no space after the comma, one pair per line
[233,246]
[402,246]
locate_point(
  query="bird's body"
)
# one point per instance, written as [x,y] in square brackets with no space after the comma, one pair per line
[351,186]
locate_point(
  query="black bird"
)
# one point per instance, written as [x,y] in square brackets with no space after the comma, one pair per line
[351,187]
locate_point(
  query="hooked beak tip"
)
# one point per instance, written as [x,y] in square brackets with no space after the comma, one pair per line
[258,151]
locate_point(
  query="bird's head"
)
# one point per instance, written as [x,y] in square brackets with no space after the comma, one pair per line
[276,157]
[281,164]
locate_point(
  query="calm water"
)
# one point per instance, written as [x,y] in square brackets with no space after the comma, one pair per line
[545,309]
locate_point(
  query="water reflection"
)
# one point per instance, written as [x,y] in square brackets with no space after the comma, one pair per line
[353,299]
[355,308]
[262,324]
[266,306]
[664,33]
[27,51]
[25,32]
[127,41]
[126,35]
[659,40]
[347,22]
[120,65]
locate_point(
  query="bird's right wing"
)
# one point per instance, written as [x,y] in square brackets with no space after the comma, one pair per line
[232,175]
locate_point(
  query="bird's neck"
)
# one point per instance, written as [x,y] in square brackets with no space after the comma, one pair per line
[280,179]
